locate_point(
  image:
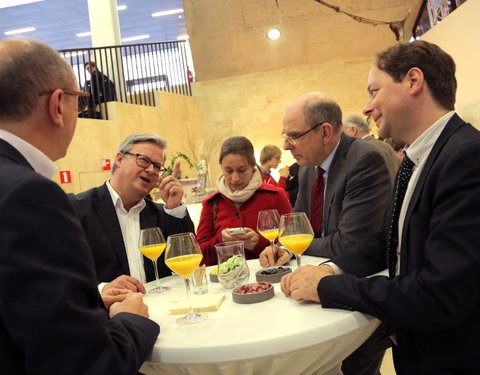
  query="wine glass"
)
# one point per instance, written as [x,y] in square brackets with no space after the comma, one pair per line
[295,233]
[183,255]
[151,245]
[267,225]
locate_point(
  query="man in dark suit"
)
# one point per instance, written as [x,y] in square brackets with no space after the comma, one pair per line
[113,214]
[356,126]
[52,319]
[431,299]
[357,186]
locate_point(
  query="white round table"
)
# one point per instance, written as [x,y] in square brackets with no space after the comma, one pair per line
[278,336]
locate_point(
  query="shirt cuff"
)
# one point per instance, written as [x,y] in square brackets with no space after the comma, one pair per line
[179,212]
[336,269]
[101,286]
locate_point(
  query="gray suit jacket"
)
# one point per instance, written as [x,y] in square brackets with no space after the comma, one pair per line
[357,193]
[387,151]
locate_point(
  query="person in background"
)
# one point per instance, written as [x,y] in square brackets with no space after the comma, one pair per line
[292,183]
[430,302]
[351,179]
[240,196]
[356,126]
[398,147]
[53,320]
[113,213]
[270,158]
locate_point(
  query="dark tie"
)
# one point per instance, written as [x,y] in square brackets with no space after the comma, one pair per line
[316,202]
[404,174]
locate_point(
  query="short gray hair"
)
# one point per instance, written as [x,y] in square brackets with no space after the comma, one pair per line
[135,138]
[317,110]
[25,72]
[358,122]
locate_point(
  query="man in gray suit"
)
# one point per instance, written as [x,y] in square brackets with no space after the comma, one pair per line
[357,190]
[356,126]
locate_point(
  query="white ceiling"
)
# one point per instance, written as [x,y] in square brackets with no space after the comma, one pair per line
[57,21]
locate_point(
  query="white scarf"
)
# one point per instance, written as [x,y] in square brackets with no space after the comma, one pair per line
[240,196]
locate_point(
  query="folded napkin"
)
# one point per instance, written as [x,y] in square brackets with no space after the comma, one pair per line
[201,302]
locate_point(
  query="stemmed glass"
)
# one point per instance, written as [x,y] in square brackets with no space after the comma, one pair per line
[268,224]
[183,255]
[152,244]
[295,233]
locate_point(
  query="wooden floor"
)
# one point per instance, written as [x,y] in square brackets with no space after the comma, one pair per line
[387,365]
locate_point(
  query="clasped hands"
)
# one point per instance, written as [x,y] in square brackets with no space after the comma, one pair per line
[301,284]
[250,238]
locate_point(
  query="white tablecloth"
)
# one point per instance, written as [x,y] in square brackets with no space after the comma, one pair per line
[278,336]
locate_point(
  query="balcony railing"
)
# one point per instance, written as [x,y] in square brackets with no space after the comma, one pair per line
[130,73]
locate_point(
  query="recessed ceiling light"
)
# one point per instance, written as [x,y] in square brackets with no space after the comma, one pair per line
[273,34]
[14,3]
[137,37]
[121,7]
[81,35]
[167,12]
[20,31]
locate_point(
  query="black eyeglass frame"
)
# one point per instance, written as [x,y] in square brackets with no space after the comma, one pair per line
[144,162]
[292,139]
[71,92]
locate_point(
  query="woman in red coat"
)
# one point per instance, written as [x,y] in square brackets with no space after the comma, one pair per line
[241,195]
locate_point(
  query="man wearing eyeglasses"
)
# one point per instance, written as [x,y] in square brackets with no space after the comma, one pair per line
[52,318]
[351,179]
[113,214]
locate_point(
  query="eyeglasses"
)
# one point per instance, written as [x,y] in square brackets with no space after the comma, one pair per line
[144,162]
[82,100]
[292,139]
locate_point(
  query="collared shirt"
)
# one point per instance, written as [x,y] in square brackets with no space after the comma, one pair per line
[418,153]
[40,162]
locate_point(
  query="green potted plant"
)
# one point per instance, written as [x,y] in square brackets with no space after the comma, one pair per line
[169,168]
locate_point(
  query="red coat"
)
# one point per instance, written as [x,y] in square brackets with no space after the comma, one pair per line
[282,182]
[209,233]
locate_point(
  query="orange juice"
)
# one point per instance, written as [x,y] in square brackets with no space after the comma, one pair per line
[184,265]
[152,252]
[269,234]
[296,243]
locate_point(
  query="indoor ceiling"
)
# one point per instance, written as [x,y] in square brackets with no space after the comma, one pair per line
[58,21]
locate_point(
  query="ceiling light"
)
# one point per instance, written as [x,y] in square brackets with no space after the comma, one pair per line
[121,7]
[167,12]
[81,35]
[273,34]
[14,3]
[133,38]
[20,31]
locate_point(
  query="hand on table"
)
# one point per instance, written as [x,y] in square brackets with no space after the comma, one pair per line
[171,190]
[302,283]
[250,238]
[112,295]
[132,303]
[269,255]
[125,282]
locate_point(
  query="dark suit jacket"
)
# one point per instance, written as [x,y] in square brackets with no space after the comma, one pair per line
[52,320]
[99,220]
[357,193]
[434,303]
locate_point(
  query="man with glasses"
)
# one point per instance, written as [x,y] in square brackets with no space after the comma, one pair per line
[347,181]
[113,214]
[52,318]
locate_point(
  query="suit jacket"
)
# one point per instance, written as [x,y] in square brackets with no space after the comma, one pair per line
[52,320]
[434,303]
[357,193]
[99,220]
[387,152]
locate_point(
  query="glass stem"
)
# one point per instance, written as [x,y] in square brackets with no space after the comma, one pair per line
[155,268]
[274,253]
[191,311]
[298,257]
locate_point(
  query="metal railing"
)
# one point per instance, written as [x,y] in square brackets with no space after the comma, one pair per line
[129,73]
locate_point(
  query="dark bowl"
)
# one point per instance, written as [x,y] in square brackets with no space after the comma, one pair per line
[272,274]
[252,297]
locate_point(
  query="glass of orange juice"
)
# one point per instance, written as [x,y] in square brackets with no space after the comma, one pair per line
[295,233]
[151,245]
[183,256]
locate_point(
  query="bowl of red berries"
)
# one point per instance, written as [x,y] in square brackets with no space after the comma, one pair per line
[253,293]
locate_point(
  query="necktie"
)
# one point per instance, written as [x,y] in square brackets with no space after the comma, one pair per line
[316,202]
[404,174]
